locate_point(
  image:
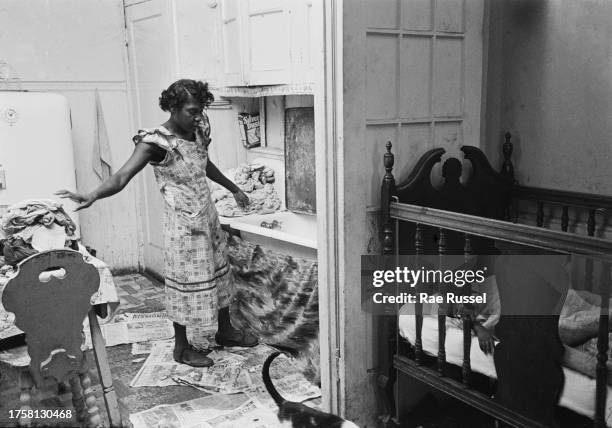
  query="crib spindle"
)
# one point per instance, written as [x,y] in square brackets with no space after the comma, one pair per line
[515,211]
[565,218]
[588,264]
[601,371]
[466,369]
[418,313]
[507,167]
[442,310]
[540,218]
[591,223]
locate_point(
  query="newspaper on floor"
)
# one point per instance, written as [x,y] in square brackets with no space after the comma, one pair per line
[160,369]
[15,357]
[287,378]
[141,348]
[233,371]
[134,327]
[250,414]
[8,329]
[212,411]
[188,414]
[293,387]
[226,376]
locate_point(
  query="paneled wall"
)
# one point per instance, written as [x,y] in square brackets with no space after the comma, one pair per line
[73,47]
[412,75]
[423,69]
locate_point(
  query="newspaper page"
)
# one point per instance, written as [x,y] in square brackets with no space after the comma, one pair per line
[293,387]
[249,415]
[8,329]
[133,327]
[287,378]
[141,348]
[159,367]
[224,376]
[15,357]
[189,414]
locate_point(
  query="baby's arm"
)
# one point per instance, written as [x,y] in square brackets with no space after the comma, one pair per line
[485,337]
[487,315]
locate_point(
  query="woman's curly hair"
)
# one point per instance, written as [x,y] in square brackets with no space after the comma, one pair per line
[179,92]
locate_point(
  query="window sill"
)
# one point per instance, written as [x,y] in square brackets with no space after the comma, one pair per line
[268,152]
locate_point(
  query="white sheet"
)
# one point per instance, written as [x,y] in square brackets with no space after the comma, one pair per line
[578,392]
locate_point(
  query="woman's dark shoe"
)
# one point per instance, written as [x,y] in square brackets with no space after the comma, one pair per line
[192,357]
[236,338]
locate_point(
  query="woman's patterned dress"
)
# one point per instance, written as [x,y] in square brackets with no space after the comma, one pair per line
[196,268]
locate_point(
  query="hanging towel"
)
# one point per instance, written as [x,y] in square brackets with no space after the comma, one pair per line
[102,161]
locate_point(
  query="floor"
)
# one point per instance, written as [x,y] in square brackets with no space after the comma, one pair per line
[137,294]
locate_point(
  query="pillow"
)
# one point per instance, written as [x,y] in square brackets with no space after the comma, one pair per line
[584,360]
[579,318]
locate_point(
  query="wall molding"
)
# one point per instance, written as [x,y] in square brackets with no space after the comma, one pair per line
[73,85]
[220,105]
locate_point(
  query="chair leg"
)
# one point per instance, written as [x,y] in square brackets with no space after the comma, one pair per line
[25,397]
[90,401]
[78,401]
[106,379]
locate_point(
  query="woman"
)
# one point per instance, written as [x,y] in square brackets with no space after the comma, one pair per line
[197,273]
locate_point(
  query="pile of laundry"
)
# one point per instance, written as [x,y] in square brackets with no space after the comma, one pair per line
[256,181]
[35,225]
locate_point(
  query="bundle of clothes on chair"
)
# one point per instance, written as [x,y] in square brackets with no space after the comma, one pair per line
[32,226]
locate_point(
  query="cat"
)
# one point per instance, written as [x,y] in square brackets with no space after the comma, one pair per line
[298,415]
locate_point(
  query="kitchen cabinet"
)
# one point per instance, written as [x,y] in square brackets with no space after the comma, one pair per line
[266,42]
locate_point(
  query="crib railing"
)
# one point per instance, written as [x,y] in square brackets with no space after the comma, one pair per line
[592,248]
[589,247]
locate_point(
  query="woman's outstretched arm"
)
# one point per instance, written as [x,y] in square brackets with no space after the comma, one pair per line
[143,153]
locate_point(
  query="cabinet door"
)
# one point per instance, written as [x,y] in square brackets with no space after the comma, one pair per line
[302,41]
[232,45]
[267,36]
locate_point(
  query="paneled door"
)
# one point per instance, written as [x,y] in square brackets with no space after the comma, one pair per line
[256,40]
[423,76]
[151,66]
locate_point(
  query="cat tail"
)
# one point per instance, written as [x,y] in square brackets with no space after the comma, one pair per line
[278,399]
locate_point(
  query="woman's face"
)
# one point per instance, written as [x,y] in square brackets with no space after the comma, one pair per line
[187,115]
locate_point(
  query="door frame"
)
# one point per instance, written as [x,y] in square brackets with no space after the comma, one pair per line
[328,102]
[169,12]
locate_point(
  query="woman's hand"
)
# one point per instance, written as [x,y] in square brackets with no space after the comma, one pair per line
[84,201]
[202,131]
[241,199]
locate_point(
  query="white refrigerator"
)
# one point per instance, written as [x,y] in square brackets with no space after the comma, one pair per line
[36,153]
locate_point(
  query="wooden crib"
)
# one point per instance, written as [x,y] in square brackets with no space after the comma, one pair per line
[473,218]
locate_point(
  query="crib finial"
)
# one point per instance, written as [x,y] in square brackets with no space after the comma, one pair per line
[388,160]
[388,190]
[507,167]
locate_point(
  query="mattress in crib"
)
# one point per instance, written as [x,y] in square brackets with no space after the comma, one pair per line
[579,390]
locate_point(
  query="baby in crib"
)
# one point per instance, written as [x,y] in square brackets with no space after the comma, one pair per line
[484,315]
[487,314]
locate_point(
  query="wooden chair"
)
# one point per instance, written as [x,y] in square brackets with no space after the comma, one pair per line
[50,297]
